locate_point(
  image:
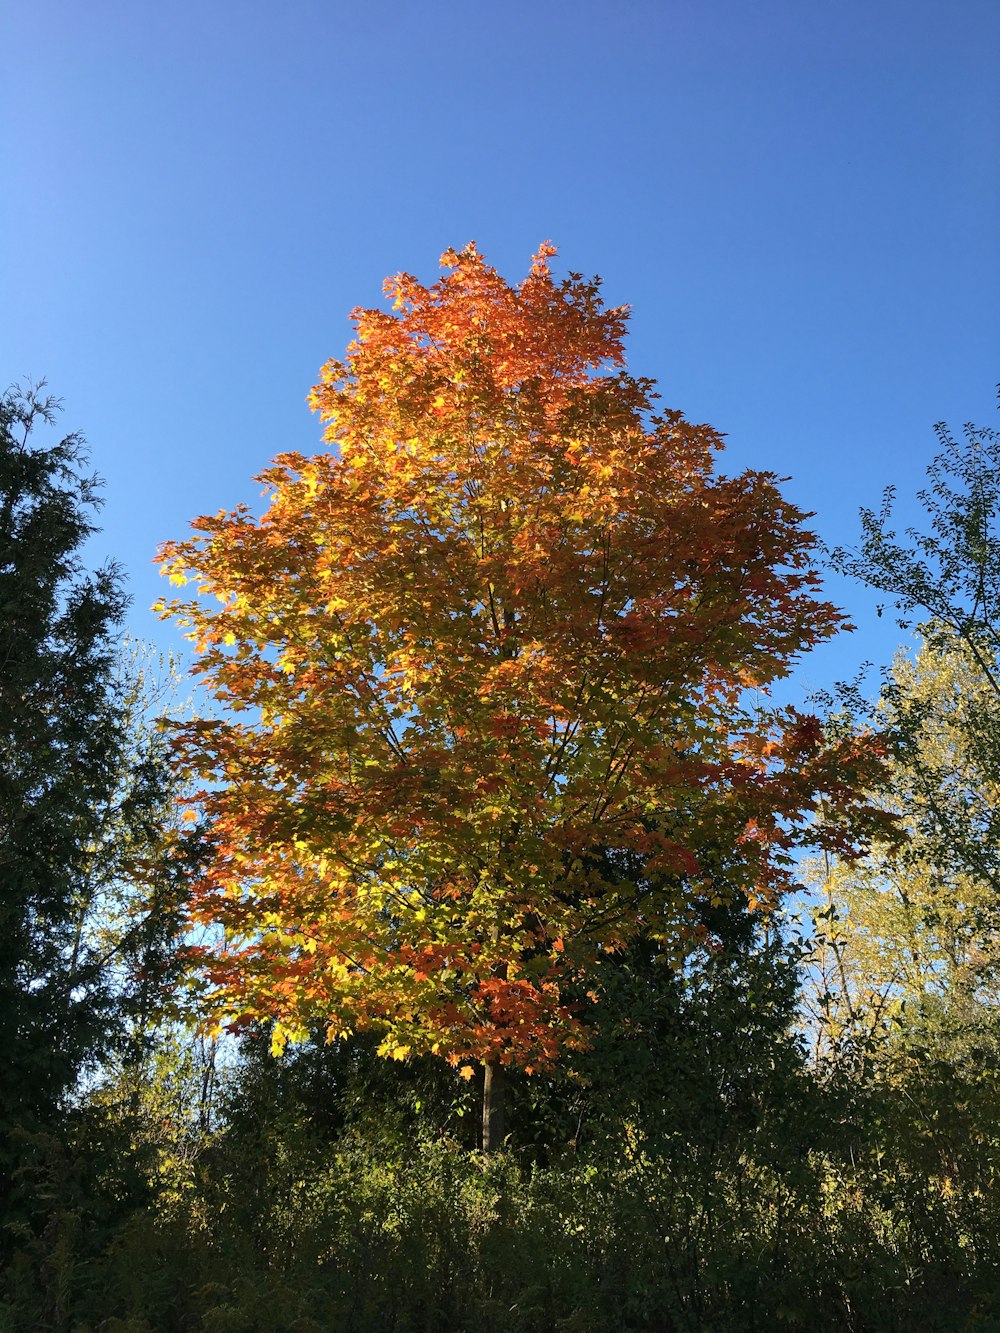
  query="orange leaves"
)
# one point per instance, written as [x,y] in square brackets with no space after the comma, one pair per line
[471,329]
[484,662]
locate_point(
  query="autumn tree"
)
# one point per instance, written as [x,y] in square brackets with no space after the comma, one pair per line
[509,634]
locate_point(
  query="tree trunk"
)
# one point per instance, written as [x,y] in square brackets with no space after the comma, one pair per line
[493,1107]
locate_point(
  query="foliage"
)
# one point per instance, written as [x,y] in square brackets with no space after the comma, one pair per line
[905,976]
[491,648]
[90,889]
[949,578]
[914,926]
[718,1185]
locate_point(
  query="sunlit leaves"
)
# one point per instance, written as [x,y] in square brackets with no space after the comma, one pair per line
[502,631]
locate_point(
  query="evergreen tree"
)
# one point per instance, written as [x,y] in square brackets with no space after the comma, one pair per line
[85,884]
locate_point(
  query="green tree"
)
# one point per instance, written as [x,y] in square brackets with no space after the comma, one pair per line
[921,919]
[914,926]
[907,967]
[905,983]
[945,582]
[89,879]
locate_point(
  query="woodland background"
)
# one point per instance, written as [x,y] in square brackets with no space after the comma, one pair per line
[797,1122]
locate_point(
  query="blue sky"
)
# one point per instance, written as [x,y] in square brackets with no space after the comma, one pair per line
[800,201]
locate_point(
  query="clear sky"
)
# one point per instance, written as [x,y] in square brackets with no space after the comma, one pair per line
[800,200]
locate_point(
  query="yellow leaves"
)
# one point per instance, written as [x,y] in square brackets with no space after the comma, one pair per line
[283,1034]
[466,1072]
[394,1050]
[336,1032]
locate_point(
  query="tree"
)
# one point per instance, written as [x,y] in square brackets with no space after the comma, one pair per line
[949,577]
[903,994]
[89,889]
[505,633]
[914,926]
[918,924]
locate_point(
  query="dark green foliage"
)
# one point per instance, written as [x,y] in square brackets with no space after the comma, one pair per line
[83,796]
[58,759]
[709,1183]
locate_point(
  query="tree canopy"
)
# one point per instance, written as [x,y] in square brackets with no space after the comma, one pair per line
[510,630]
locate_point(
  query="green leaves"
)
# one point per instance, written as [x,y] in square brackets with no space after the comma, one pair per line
[947,575]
